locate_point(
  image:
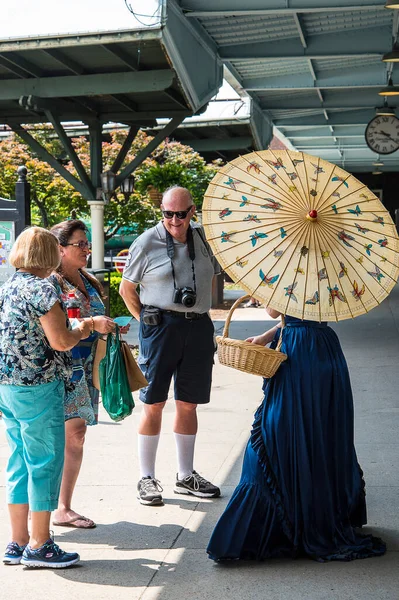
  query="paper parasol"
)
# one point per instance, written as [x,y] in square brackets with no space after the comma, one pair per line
[301,235]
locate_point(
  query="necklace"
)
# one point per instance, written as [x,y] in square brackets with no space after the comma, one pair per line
[76,282]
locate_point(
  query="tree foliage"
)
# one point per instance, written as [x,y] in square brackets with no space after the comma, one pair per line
[53,198]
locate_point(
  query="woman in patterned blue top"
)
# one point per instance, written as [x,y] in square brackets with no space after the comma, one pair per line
[81,400]
[34,369]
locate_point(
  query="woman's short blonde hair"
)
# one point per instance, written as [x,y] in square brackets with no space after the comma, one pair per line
[35,248]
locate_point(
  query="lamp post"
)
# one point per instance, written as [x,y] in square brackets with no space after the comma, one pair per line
[107,189]
[127,187]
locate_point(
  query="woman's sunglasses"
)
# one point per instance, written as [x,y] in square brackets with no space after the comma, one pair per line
[180,214]
[82,245]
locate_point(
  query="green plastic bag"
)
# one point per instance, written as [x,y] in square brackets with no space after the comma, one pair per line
[115,390]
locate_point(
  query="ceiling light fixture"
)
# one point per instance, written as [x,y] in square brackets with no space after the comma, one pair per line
[391,4]
[377,172]
[393,55]
[390,89]
[385,111]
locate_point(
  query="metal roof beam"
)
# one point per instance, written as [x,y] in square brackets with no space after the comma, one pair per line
[22,63]
[309,138]
[227,8]
[151,146]
[70,150]
[299,27]
[311,130]
[361,42]
[123,56]
[12,68]
[311,69]
[129,117]
[127,144]
[50,159]
[331,147]
[126,102]
[374,76]
[65,61]
[309,133]
[336,100]
[40,105]
[80,39]
[133,65]
[82,85]
[89,107]
[356,117]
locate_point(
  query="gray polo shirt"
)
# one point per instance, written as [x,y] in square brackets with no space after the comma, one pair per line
[148,264]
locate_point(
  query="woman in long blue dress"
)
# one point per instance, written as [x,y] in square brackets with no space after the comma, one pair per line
[301,490]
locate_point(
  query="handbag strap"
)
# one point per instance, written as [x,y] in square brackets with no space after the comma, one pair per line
[113,337]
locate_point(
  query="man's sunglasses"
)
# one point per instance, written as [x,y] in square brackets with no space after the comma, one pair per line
[82,245]
[180,214]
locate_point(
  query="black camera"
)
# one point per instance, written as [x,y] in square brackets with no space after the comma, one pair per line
[185,296]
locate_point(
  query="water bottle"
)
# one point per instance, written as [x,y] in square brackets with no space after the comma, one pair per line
[73,308]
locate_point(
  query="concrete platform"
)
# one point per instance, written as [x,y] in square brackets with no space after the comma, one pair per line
[158,553]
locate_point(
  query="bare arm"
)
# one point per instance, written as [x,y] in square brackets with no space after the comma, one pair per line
[59,336]
[127,290]
[268,336]
[264,338]
[274,314]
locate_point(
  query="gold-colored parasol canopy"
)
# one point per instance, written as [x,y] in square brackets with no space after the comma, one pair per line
[301,235]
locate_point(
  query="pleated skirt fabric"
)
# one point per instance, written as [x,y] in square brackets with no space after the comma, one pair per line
[301,490]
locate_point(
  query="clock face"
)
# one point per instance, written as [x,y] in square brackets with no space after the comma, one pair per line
[382,134]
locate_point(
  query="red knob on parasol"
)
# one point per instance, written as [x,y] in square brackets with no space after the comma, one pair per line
[312,215]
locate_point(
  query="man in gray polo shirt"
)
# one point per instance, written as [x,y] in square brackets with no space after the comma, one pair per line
[174,267]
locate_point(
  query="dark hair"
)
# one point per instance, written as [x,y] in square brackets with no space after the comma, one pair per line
[63,232]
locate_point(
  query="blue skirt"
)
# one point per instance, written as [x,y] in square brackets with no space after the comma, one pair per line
[301,490]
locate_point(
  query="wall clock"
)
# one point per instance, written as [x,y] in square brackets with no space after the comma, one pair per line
[382,134]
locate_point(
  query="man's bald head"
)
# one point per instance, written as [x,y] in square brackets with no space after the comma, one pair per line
[177,194]
[177,199]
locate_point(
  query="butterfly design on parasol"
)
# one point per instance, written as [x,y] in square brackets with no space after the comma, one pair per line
[326,237]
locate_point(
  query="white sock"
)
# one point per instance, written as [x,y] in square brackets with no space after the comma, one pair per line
[185,454]
[147,446]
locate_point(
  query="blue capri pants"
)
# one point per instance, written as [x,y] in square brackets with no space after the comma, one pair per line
[34,421]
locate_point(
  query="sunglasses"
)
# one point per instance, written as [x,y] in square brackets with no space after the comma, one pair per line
[82,245]
[180,214]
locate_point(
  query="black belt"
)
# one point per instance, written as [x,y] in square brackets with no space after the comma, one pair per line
[192,316]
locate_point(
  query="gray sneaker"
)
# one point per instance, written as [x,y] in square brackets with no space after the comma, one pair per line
[149,491]
[196,485]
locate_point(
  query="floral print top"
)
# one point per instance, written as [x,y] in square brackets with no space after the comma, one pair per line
[26,357]
[92,305]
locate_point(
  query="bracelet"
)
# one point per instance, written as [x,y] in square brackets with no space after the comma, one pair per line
[92,325]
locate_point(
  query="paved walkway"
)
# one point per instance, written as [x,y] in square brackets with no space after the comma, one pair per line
[151,553]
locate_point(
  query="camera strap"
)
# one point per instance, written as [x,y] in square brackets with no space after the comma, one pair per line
[170,249]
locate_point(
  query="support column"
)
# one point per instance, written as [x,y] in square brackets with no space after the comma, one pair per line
[96,206]
[97,233]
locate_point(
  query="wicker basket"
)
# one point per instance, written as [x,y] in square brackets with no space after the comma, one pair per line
[245,356]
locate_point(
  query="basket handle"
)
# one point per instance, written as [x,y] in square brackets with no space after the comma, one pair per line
[232,309]
[280,339]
